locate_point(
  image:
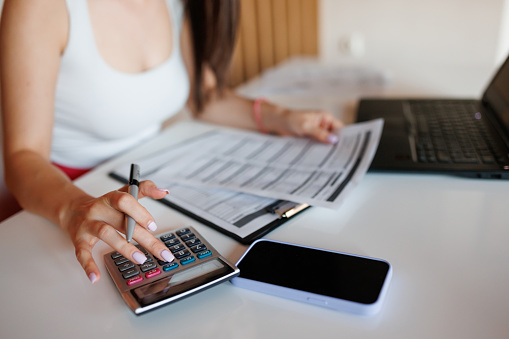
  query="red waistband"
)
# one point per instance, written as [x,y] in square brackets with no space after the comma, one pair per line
[72,173]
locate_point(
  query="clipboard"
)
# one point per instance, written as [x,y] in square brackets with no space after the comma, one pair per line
[280,211]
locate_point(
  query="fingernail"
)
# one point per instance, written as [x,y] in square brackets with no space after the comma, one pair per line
[139,257]
[167,256]
[93,277]
[332,138]
[163,190]
[152,226]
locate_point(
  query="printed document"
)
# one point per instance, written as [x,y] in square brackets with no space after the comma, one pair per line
[242,181]
[285,168]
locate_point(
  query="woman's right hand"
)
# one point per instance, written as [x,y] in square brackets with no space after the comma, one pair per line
[89,219]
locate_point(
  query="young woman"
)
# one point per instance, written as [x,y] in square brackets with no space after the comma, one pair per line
[83,81]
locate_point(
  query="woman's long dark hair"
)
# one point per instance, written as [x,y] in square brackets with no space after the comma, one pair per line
[213,31]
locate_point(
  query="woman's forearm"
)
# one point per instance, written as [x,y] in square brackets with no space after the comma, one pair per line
[229,109]
[232,110]
[39,187]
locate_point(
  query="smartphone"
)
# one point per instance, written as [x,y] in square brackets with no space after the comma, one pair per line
[337,280]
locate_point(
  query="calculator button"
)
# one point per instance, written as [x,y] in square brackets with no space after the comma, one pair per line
[126,266]
[166,237]
[134,280]
[183,231]
[152,273]
[198,248]
[172,242]
[187,260]
[147,267]
[115,255]
[187,237]
[193,242]
[131,273]
[121,260]
[177,248]
[142,249]
[204,254]
[181,254]
[170,266]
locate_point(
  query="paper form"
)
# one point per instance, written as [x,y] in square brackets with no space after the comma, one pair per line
[235,212]
[284,168]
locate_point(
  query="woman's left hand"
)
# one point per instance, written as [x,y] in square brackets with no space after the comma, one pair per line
[317,124]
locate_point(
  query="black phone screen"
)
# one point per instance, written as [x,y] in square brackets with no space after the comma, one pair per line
[317,271]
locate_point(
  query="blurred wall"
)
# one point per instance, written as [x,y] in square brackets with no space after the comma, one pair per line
[391,32]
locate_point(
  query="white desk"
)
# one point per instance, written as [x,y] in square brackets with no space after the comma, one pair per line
[446,238]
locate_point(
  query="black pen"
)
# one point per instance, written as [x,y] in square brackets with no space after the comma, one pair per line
[134,176]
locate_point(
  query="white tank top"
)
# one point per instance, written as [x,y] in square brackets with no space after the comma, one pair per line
[101,112]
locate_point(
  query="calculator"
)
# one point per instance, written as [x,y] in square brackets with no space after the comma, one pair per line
[155,283]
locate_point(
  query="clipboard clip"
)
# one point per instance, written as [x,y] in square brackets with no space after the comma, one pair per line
[286,209]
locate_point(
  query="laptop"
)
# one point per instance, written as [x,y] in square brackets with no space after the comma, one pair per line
[454,136]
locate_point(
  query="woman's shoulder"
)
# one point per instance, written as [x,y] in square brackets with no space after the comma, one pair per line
[47,19]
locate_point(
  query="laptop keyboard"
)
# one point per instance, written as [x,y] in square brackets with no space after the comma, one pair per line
[451,132]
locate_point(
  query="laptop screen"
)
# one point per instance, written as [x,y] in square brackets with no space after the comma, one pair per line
[497,95]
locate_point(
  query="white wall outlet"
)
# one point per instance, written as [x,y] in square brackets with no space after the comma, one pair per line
[352,45]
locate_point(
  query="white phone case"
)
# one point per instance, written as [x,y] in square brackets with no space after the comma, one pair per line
[312,298]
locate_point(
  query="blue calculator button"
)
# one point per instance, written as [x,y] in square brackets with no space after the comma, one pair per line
[187,260]
[204,254]
[170,266]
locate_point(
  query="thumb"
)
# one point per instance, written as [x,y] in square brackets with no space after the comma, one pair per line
[322,135]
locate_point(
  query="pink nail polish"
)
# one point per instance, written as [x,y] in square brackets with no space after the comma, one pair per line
[152,226]
[139,257]
[163,190]
[93,277]
[332,138]
[167,256]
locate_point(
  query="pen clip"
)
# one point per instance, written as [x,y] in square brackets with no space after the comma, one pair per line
[134,175]
[286,209]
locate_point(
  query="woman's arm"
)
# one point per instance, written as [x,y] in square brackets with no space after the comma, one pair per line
[33,35]
[232,110]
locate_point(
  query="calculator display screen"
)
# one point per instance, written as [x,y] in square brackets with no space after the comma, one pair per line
[322,272]
[181,282]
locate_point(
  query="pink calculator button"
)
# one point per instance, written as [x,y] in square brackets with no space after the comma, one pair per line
[153,273]
[134,280]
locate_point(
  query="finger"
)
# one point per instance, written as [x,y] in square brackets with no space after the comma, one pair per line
[86,260]
[330,122]
[149,189]
[110,236]
[152,244]
[129,205]
[322,135]
[311,126]
[336,124]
